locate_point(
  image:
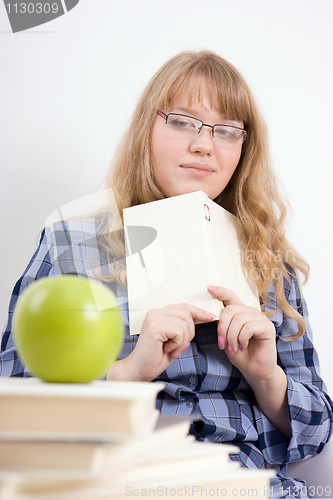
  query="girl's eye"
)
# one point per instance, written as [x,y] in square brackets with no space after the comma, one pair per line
[181,123]
[226,132]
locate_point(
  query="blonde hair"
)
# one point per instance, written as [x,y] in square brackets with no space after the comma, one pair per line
[252,193]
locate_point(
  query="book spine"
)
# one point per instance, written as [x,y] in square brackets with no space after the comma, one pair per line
[211,251]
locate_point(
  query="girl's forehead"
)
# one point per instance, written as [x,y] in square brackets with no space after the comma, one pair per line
[229,102]
[194,92]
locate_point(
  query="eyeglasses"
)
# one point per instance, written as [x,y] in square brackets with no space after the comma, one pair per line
[187,126]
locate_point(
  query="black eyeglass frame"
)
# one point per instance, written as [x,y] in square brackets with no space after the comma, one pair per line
[163,115]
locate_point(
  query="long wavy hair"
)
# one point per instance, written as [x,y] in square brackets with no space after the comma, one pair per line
[252,194]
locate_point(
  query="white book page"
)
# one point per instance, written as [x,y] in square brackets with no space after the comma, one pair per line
[193,243]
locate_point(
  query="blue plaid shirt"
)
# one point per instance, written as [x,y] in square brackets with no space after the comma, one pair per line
[202,381]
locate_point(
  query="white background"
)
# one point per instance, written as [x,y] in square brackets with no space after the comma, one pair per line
[68,88]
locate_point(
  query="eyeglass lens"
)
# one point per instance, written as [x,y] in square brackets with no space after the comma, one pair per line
[187,124]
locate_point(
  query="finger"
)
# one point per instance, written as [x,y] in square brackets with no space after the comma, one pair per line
[242,327]
[248,327]
[260,328]
[232,322]
[177,333]
[182,310]
[183,315]
[225,295]
[173,326]
[174,350]
[227,316]
[248,331]
[221,342]
[180,333]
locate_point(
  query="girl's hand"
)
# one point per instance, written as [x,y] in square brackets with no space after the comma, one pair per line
[247,336]
[165,334]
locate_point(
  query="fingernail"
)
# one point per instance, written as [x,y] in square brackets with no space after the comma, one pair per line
[186,347]
[221,342]
[241,348]
[211,315]
[211,287]
[231,351]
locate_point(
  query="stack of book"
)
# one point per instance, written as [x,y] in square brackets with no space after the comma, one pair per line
[106,440]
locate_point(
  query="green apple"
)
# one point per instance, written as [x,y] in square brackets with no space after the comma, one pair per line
[68,329]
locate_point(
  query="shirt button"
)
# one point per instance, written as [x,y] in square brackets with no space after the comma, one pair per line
[192,381]
[190,403]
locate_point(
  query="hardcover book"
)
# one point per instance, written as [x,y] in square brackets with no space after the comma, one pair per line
[32,409]
[178,246]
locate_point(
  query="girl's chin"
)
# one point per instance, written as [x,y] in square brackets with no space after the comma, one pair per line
[187,190]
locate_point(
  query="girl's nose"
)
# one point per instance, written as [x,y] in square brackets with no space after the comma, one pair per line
[202,143]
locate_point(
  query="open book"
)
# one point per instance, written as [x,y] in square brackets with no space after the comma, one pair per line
[178,246]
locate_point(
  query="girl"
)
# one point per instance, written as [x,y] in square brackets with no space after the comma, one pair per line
[251,377]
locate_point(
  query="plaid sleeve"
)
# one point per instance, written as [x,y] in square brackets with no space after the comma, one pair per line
[39,266]
[65,247]
[310,407]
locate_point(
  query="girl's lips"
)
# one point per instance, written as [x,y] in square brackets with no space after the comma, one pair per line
[197,171]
